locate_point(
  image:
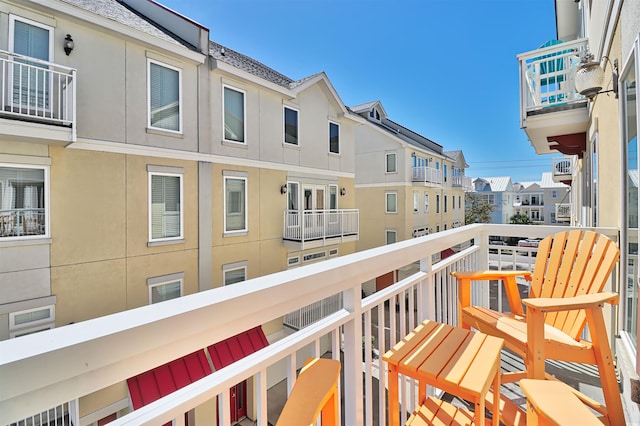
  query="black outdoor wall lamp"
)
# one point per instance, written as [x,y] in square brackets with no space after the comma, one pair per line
[68,44]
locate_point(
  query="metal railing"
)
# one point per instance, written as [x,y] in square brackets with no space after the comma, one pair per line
[357,333]
[464,182]
[562,167]
[37,90]
[547,76]
[427,175]
[310,225]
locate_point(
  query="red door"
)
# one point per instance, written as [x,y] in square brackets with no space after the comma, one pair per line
[238,401]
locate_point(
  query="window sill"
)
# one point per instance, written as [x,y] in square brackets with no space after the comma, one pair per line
[234,144]
[25,242]
[161,132]
[235,234]
[165,242]
[291,145]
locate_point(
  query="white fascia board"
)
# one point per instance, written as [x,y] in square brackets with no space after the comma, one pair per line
[236,72]
[149,151]
[403,143]
[177,49]
[322,77]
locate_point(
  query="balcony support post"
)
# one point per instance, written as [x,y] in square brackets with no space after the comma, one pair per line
[353,394]
[426,308]
[261,399]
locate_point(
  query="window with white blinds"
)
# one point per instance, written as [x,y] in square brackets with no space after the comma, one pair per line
[165,291]
[165,111]
[31,83]
[235,189]
[166,206]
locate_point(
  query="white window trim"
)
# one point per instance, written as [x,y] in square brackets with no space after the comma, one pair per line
[329,137]
[38,324]
[386,162]
[284,130]
[180,104]
[46,202]
[329,199]
[386,233]
[231,267]
[386,202]
[13,18]
[246,205]
[426,203]
[167,239]
[244,113]
[165,279]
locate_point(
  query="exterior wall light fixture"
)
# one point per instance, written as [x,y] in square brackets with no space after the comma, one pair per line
[343,191]
[283,189]
[590,75]
[68,44]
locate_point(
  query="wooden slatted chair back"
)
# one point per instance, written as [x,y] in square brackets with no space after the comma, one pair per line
[572,263]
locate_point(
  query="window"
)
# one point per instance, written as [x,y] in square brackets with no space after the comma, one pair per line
[437,203]
[293,194]
[234,119]
[333,197]
[391,163]
[334,138]
[391,236]
[554,194]
[453,202]
[234,273]
[426,202]
[444,166]
[24,193]
[437,228]
[165,205]
[31,321]
[165,96]
[552,217]
[416,197]
[165,287]
[31,86]
[235,218]
[391,202]
[290,126]
[445,204]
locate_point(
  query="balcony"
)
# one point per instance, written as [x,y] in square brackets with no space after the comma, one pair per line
[37,100]
[427,175]
[51,368]
[562,170]
[553,115]
[563,212]
[464,182]
[305,229]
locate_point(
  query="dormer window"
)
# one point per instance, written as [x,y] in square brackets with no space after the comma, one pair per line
[374,114]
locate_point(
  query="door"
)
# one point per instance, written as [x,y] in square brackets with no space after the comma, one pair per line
[313,207]
[238,401]
[31,80]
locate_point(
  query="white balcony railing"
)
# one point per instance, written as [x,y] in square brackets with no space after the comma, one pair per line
[36,90]
[464,182]
[312,225]
[22,222]
[426,174]
[547,75]
[563,211]
[64,364]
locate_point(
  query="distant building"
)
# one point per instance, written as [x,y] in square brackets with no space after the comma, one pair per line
[497,191]
[545,202]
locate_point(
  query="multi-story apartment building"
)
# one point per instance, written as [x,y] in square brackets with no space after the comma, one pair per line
[497,191]
[579,98]
[545,202]
[140,162]
[407,185]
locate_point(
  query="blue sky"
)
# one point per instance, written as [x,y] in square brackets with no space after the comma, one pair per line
[446,69]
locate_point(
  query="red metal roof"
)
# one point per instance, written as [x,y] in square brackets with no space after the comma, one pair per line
[160,381]
[237,347]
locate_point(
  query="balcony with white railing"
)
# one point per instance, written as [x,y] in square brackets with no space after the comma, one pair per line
[562,170]
[305,229]
[464,182]
[427,175]
[552,113]
[50,368]
[37,100]
[563,212]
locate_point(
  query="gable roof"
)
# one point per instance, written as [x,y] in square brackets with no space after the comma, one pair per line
[458,157]
[120,13]
[496,184]
[366,107]
[547,181]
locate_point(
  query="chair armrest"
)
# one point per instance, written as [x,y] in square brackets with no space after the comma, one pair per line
[490,275]
[585,301]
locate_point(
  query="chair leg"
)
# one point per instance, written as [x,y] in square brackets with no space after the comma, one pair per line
[606,369]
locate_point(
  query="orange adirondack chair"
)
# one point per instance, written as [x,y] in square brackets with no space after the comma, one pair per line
[314,394]
[566,292]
